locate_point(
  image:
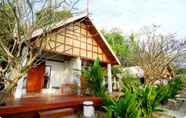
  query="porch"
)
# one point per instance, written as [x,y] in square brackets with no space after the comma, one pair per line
[57,77]
[30,107]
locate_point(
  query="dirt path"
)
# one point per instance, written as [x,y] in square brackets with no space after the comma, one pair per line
[179,109]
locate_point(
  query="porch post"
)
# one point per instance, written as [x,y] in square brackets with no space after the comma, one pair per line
[79,61]
[19,89]
[76,66]
[109,74]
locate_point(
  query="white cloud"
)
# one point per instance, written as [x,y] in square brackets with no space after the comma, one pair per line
[131,15]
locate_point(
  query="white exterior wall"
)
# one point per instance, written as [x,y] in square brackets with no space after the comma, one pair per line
[61,73]
[64,72]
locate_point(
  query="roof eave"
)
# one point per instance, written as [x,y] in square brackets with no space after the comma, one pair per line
[106,43]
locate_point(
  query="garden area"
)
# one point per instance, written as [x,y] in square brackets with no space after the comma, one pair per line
[136,100]
[54,57]
[160,89]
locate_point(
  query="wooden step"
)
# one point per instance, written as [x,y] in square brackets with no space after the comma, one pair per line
[58,113]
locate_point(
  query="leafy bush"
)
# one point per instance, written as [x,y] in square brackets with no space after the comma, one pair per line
[126,106]
[170,90]
[94,77]
[174,86]
[135,103]
[140,102]
[130,84]
[149,100]
[163,92]
[180,71]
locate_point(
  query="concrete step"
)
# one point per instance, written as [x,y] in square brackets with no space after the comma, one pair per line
[181,93]
[172,101]
[181,99]
[161,115]
[180,96]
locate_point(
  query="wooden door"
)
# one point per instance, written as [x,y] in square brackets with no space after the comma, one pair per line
[35,79]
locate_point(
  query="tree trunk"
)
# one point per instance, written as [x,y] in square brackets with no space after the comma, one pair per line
[8,90]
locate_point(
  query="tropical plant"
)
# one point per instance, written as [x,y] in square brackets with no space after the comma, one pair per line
[174,87]
[126,106]
[94,78]
[130,84]
[141,101]
[146,95]
[137,101]
[170,90]
[163,93]
[149,100]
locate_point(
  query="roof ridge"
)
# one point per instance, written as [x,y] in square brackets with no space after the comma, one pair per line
[55,25]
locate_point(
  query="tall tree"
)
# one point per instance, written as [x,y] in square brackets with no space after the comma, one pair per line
[119,44]
[18,50]
[154,52]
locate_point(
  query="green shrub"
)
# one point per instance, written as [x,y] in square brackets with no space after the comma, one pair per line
[94,77]
[149,100]
[180,71]
[163,92]
[126,106]
[140,102]
[130,84]
[175,85]
[136,102]
[170,90]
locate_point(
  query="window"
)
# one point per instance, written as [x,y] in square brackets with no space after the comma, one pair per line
[47,76]
[24,82]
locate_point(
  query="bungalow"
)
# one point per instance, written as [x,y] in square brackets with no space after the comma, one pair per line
[74,43]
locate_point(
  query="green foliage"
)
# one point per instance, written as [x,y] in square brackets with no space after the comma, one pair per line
[135,103]
[140,102]
[171,89]
[63,14]
[125,107]
[133,42]
[1,59]
[7,23]
[163,93]
[149,100]
[123,47]
[119,44]
[174,86]
[94,76]
[181,71]
[48,16]
[130,84]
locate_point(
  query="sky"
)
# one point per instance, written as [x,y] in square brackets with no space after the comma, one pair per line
[131,15]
